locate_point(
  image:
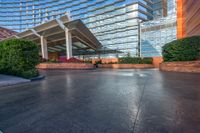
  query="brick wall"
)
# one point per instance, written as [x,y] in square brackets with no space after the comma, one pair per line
[157,61]
[65,66]
[126,66]
[188,66]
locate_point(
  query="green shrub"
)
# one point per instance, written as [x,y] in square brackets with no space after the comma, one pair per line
[30,73]
[88,61]
[135,60]
[112,63]
[53,61]
[99,62]
[19,57]
[186,49]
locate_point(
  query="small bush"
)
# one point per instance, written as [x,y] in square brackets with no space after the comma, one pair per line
[88,61]
[99,62]
[135,60]
[112,63]
[42,60]
[53,61]
[19,57]
[30,73]
[186,49]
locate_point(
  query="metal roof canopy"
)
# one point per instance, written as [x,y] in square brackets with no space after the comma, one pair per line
[54,33]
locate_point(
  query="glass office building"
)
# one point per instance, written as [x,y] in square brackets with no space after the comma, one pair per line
[113,22]
[159,8]
[161,30]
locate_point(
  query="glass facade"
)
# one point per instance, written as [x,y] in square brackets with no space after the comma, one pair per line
[113,22]
[163,8]
[156,33]
[158,8]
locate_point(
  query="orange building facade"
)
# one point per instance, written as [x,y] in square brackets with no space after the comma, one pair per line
[188,16]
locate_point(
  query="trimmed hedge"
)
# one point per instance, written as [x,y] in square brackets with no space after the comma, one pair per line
[135,60]
[19,57]
[186,49]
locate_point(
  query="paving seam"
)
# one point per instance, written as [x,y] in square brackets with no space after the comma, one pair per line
[140,102]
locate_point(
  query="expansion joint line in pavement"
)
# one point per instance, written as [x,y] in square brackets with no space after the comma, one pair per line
[140,102]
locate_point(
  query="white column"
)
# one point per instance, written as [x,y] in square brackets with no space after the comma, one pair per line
[68,38]
[44,47]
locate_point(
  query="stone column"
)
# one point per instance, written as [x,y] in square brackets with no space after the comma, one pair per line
[44,47]
[68,38]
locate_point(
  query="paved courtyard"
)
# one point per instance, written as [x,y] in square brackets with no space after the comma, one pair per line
[103,101]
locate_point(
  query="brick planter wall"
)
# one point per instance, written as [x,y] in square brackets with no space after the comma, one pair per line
[126,66]
[157,61]
[76,66]
[188,66]
[106,60]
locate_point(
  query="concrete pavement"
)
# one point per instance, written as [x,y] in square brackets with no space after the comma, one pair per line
[103,101]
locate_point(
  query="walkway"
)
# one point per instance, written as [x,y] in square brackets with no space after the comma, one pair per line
[6,80]
[103,101]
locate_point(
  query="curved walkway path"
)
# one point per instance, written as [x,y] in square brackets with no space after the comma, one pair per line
[103,101]
[6,80]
